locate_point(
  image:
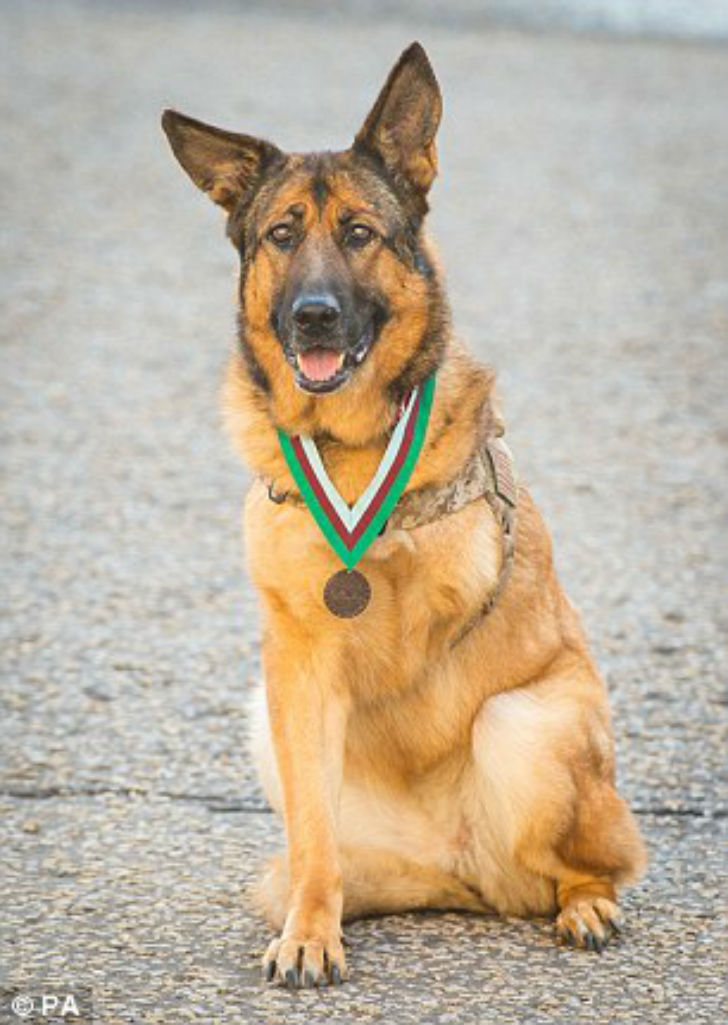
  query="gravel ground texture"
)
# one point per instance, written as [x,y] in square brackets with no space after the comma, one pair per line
[582,214]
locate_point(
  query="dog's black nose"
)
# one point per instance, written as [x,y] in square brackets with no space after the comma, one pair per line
[316,314]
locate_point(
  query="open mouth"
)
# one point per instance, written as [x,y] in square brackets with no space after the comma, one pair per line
[321,369]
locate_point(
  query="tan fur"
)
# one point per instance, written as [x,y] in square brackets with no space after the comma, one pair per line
[491,763]
[361,411]
[409,771]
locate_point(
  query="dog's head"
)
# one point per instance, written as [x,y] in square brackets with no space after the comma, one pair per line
[336,281]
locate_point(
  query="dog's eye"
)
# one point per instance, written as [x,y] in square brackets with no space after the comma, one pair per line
[281,235]
[359,235]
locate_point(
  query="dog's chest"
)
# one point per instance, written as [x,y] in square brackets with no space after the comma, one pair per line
[411,699]
[425,583]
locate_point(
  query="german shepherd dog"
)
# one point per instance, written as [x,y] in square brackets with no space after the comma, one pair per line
[421,754]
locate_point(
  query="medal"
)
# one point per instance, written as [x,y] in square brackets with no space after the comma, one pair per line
[347,593]
[350,530]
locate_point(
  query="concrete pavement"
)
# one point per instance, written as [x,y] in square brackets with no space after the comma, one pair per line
[583,219]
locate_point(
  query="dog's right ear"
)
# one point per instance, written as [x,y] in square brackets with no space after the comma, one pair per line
[227,166]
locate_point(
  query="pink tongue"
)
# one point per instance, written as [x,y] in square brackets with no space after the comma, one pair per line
[319,364]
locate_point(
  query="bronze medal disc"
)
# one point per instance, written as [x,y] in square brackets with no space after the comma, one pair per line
[347,593]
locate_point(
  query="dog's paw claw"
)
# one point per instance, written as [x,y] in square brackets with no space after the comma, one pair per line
[303,964]
[589,923]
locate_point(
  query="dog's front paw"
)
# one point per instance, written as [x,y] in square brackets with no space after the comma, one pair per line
[298,960]
[589,922]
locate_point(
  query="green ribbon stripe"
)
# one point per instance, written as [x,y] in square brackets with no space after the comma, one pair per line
[350,557]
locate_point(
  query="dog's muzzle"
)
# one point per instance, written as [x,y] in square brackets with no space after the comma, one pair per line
[318,350]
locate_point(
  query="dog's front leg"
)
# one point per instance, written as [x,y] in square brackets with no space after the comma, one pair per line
[307,717]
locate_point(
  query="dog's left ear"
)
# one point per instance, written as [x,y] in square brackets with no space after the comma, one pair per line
[225,165]
[402,125]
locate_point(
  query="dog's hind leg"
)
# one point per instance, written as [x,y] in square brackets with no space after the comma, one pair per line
[375,882]
[545,765]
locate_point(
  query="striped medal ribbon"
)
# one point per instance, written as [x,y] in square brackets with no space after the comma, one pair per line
[350,530]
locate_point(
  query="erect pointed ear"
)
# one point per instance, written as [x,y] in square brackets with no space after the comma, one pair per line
[225,165]
[403,122]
